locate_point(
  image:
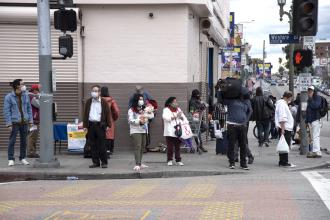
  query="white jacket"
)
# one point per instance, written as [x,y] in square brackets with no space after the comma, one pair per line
[283,114]
[169,123]
[134,121]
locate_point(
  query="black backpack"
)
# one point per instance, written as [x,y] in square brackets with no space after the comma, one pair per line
[324,107]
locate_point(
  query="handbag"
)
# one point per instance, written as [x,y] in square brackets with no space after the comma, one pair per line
[177,128]
[186,131]
[282,146]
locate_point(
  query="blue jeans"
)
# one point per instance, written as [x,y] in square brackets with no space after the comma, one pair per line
[263,130]
[23,131]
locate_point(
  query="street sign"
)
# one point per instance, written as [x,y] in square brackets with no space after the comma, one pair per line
[305,80]
[309,43]
[283,39]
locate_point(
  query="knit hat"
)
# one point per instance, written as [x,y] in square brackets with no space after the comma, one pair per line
[35,87]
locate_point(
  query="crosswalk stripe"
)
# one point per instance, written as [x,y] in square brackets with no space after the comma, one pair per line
[320,184]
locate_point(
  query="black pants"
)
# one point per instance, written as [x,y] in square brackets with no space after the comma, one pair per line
[237,133]
[248,151]
[96,138]
[284,158]
[110,145]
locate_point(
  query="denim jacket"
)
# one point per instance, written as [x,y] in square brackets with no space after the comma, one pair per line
[11,111]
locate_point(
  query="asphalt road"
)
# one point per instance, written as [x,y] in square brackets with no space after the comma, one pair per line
[273,196]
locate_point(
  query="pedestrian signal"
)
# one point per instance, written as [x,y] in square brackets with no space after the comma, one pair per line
[65,20]
[305,17]
[302,58]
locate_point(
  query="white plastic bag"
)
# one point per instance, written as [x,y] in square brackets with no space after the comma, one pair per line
[217,130]
[186,131]
[282,146]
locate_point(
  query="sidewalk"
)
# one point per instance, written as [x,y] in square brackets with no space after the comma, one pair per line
[121,165]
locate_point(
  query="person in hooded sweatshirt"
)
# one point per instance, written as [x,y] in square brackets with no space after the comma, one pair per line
[239,112]
[114,115]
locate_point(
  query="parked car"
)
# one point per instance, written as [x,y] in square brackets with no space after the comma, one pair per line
[273,82]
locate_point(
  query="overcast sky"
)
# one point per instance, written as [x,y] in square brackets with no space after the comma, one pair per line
[266,16]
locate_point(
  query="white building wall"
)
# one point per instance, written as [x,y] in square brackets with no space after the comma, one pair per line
[193,47]
[124,45]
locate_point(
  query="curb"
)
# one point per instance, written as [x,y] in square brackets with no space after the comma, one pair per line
[325,165]
[33,176]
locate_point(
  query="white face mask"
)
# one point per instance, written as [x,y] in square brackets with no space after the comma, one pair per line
[23,88]
[95,94]
[141,103]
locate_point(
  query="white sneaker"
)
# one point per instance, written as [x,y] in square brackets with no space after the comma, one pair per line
[11,163]
[180,164]
[137,168]
[144,166]
[170,163]
[24,162]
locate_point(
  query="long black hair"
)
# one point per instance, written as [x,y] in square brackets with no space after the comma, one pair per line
[104,92]
[135,101]
[169,101]
[195,94]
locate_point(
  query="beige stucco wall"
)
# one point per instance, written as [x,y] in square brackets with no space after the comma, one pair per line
[122,44]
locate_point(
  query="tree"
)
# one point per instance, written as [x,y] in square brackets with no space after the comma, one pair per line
[280,60]
[281,70]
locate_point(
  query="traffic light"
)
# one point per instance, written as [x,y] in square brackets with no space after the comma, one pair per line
[305,17]
[302,58]
[66,46]
[65,20]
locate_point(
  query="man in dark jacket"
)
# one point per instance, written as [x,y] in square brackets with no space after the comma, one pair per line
[262,112]
[313,118]
[239,112]
[96,122]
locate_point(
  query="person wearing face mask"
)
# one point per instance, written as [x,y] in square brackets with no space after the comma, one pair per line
[284,122]
[138,119]
[196,108]
[172,116]
[96,122]
[33,135]
[18,115]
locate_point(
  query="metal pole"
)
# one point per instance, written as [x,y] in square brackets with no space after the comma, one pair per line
[263,63]
[303,131]
[46,95]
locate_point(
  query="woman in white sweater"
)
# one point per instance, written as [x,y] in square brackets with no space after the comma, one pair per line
[138,118]
[172,116]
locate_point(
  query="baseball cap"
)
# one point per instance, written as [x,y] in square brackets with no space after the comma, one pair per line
[311,87]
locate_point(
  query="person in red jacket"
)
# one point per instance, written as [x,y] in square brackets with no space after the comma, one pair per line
[34,130]
[114,115]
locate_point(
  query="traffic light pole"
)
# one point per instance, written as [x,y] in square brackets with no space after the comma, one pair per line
[291,48]
[46,159]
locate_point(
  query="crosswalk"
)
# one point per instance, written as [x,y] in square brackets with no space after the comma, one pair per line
[320,180]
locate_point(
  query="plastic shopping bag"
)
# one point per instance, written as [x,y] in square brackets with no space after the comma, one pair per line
[186,131]
[282,146]
[217,130]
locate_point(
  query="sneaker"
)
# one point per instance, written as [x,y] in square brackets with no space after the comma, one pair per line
[266,144]
[137,168]
[288,165]
[313,155]
[104,165]
[244,167]
[144,166]
[11,163]
[232,166]
[260,145]
[250,160]
[170,163]
[180,163]
[24,162]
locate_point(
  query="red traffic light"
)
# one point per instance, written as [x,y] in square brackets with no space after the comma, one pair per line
[302,58]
